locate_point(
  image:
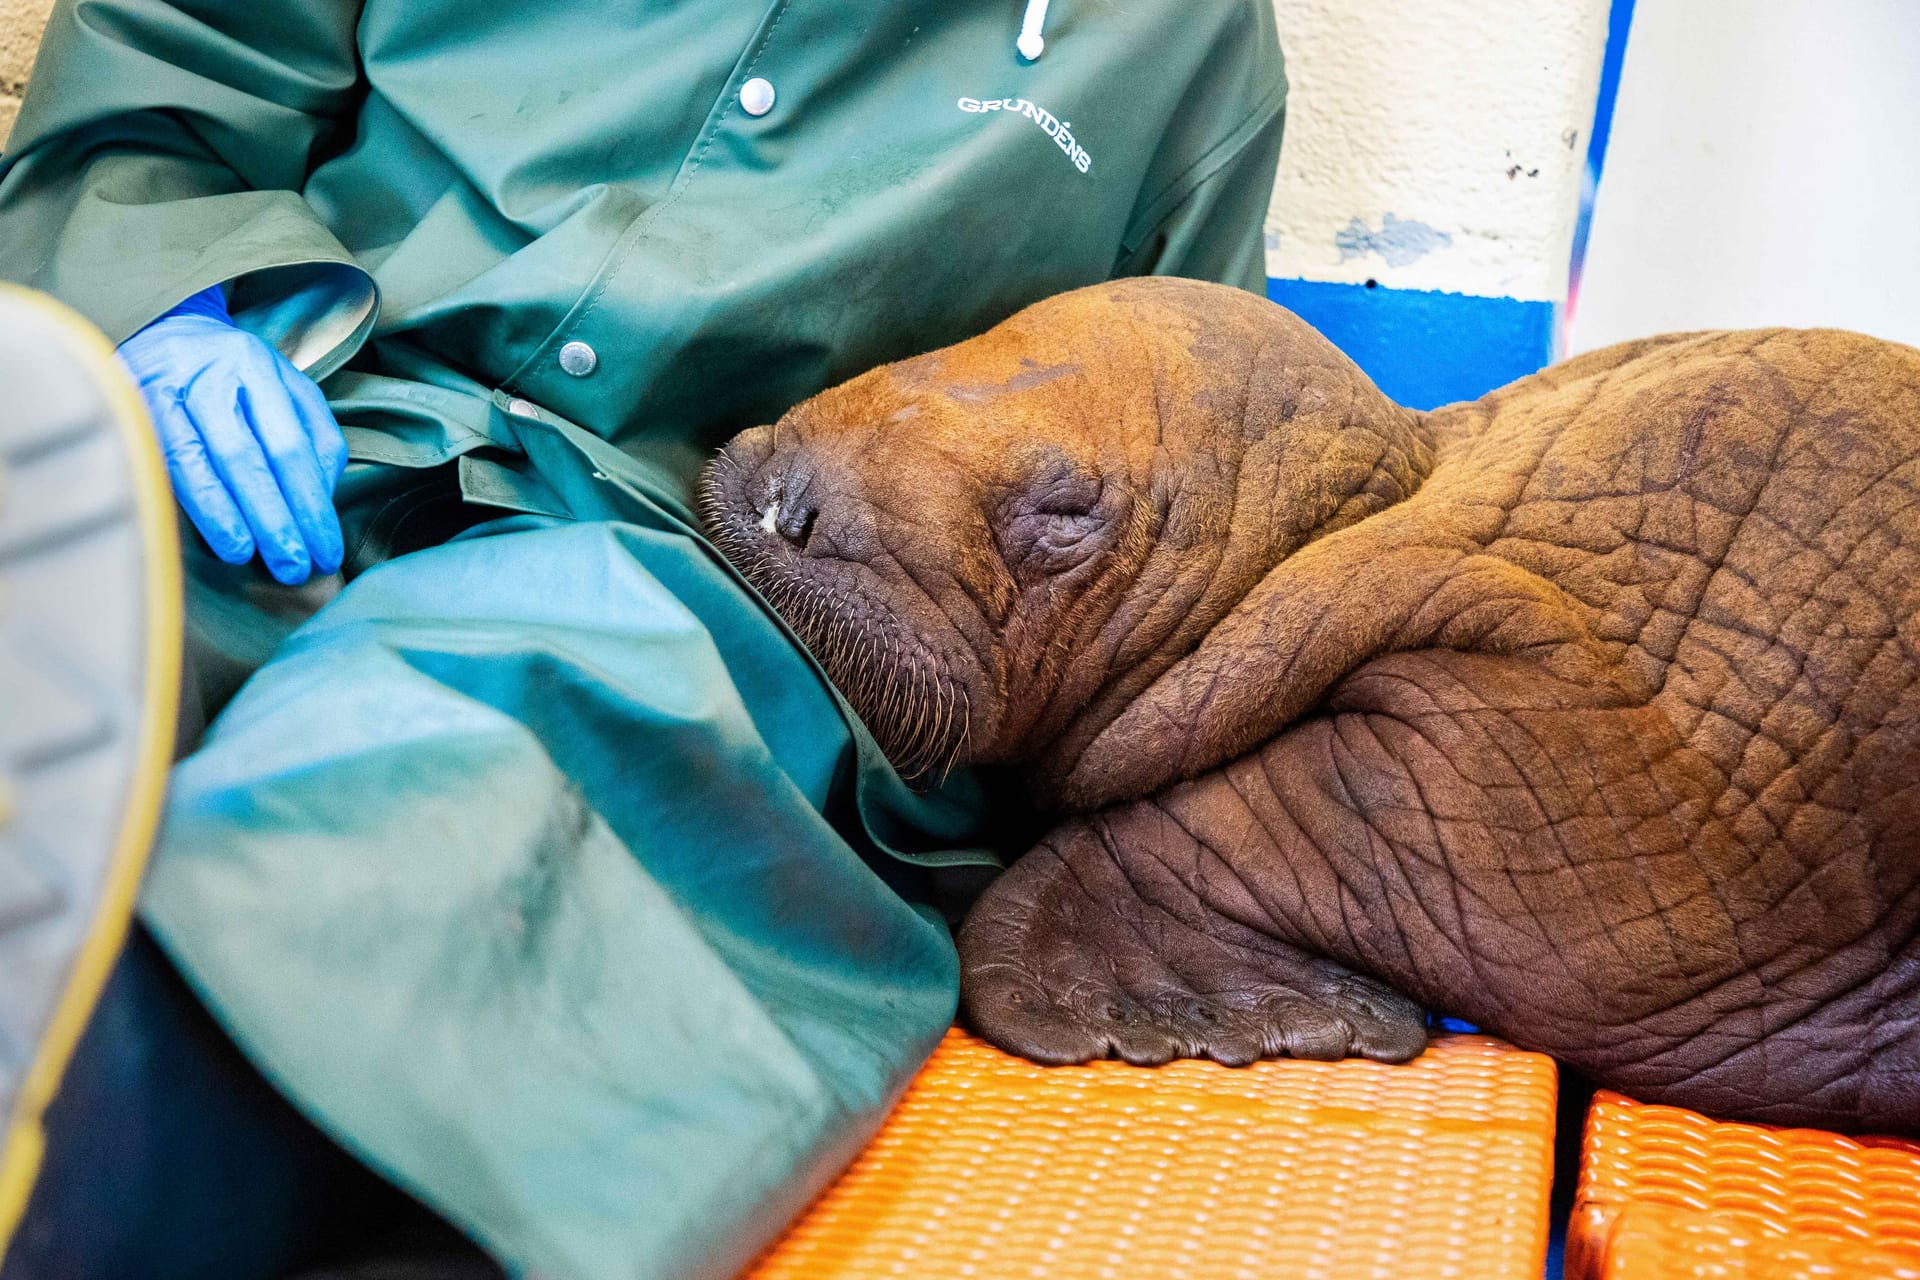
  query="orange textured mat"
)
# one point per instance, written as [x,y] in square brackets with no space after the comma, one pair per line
[994,1167]
[1667,1194]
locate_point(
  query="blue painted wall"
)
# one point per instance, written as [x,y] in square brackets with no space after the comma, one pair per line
[1426,349]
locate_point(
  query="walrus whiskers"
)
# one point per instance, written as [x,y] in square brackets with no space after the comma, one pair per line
[916,715]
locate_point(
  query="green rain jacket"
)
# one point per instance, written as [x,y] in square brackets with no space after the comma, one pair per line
[542,868]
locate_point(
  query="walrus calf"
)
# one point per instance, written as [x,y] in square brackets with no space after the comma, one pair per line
[1588,712]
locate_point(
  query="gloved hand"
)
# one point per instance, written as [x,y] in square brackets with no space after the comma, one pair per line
[251,445]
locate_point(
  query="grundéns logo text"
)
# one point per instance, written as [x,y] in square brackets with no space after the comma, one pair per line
[1059,130]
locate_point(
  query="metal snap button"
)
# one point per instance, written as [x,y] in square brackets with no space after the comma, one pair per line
[756,96]
[578,359]
[522,408]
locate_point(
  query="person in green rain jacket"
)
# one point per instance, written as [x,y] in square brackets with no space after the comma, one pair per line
[538,865]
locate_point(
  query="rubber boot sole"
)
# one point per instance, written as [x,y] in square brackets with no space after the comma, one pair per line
[90,636]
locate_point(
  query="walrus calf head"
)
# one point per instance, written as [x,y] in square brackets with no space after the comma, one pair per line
[992,548]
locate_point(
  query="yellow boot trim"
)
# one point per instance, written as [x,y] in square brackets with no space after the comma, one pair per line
[25,1140]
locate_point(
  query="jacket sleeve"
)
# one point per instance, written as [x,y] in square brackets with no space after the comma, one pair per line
[1203,209]
[162,148]
[1217,231]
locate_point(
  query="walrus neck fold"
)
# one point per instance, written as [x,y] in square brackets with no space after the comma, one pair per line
[1334,453]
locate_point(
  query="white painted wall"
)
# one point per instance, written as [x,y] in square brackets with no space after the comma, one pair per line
[21,22]
[1764,168]
[1463,121]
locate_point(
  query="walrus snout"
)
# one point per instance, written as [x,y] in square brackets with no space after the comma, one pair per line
[815,519]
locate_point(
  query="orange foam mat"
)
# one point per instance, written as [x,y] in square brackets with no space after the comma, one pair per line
[1667,1194]
[992,1167]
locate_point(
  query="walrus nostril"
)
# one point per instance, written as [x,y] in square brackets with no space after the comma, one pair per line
[787,510]
[795,521]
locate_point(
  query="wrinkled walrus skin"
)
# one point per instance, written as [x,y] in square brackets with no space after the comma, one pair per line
[1588,712]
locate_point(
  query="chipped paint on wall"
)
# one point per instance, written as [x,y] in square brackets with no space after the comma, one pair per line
[1399,241]
[1467,118]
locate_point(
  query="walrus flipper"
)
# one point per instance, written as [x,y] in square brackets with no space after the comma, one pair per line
[1098,944]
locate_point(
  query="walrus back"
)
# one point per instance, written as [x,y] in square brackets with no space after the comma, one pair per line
[1736,517]
[1755,491]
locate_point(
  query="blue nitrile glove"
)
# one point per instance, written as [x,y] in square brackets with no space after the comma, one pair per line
[251,445]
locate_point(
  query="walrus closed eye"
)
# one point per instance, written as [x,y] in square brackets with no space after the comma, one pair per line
[1588,712]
